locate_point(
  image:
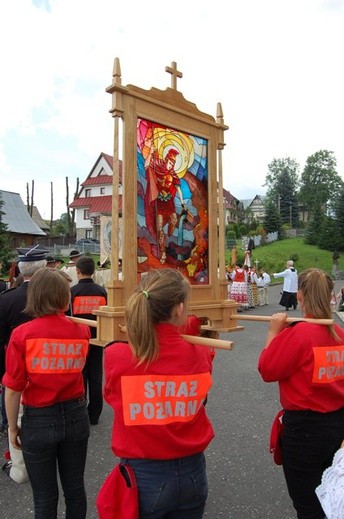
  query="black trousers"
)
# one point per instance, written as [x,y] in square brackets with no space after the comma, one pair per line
[288,300]
[93,381]
[309,442]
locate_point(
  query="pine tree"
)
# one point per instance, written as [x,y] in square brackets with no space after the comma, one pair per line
[329,236]
[315,225]
[272,219]
[340,218]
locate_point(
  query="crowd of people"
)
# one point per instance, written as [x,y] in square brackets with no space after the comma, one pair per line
[247,287]
[157,384]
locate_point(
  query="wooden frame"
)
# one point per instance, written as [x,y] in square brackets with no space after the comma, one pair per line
[165,109]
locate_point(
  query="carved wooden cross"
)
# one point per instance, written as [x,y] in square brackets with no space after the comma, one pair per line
[174,74]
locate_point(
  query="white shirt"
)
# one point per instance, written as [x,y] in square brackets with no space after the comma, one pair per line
[266,280]
[331,490]
[290,279]
[70,269]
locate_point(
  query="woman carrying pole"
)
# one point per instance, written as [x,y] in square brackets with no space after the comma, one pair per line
[307,361]
[44,364]
[157,385]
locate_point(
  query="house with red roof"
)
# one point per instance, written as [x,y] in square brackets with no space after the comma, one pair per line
[95,198]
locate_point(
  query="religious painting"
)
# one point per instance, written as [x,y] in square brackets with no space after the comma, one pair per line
[172,200]
[105,238]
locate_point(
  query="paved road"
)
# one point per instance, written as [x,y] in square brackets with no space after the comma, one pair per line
[244,483]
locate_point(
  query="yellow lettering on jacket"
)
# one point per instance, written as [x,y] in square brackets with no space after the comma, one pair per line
[328,364]
[56,355]
[163,399]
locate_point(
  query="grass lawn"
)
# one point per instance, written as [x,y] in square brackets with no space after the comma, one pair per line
[274,256]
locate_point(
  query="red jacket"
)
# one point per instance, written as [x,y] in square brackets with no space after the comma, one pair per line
[45,358]
[308,365]
[159,408]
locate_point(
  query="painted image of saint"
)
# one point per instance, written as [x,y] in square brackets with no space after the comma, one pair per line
[172,200]
[162,187]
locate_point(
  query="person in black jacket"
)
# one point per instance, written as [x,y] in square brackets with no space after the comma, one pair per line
[86,297]
[12,304]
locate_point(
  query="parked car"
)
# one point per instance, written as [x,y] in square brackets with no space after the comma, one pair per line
[90,245]
[86,241]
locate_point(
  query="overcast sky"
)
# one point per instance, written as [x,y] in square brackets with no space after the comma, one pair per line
[276,66]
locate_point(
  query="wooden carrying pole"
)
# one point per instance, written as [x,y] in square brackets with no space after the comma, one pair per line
[288,319]
[193,339]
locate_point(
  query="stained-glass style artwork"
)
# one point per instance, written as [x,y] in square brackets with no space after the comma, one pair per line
[172,200]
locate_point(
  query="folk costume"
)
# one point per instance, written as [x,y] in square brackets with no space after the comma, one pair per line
[249,288]
[331,491]
[70,268]
[306,361]
[238,287]
[254,283]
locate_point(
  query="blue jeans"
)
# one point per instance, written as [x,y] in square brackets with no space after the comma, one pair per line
[55,438]
[309,442]
[171,489]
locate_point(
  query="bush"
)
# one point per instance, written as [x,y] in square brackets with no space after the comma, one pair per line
[243,230]
[230,235]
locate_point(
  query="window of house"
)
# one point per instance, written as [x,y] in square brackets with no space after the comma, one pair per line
[86,214]
[87,193]
[88,233]
[102,190]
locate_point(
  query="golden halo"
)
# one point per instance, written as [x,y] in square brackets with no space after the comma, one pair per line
[166,139]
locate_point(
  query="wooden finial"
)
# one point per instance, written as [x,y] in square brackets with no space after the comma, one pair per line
[219,114]
[174,74]
[116,74]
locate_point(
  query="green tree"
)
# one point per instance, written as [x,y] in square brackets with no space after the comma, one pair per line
[329,236]
[5,250]
[272,219]
[282,183]
[61,225]
[315,226]
[246,216]
[230,239]
[339,212]
[320,183]
[243,229]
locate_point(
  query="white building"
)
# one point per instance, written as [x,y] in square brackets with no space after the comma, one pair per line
[95,198]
